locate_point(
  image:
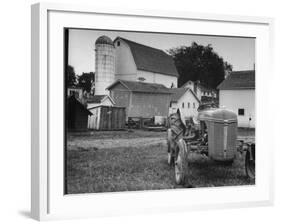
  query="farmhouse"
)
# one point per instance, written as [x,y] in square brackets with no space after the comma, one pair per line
[185,100]
[237,93]
[141,99]
[137,62]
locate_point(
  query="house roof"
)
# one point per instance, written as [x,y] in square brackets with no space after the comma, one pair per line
[151,59]
[239,80]
[142,87]
[179,92]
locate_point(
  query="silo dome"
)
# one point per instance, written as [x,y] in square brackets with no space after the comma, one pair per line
[104,40]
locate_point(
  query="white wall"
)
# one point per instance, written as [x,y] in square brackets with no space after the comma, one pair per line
[125,67]
[153,77]
[244,99]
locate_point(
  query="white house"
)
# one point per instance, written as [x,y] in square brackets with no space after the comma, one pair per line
[137,62]
[237,93]
[185,100]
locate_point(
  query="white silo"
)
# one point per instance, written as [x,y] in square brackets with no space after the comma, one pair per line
[105,65]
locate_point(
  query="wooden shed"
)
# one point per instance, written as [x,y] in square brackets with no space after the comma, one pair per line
[76,114]
[141,99]
[107,118]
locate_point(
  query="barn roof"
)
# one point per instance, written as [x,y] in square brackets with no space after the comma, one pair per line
[151,59]
[239,80]
[179,92]
[141,87]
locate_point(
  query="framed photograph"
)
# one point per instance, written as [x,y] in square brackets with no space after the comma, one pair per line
[148,111]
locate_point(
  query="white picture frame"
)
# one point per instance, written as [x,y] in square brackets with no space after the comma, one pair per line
[48,201]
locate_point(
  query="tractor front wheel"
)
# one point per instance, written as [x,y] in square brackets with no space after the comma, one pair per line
[181,163]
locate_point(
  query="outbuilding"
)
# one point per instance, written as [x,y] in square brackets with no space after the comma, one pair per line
[141,99]
[76,114]
[107,118]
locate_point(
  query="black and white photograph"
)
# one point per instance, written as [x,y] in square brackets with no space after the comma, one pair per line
[157,111]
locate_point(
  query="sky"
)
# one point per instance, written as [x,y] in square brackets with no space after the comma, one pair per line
[238,51]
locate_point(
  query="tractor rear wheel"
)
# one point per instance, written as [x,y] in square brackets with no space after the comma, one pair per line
[250,162]
[181,163]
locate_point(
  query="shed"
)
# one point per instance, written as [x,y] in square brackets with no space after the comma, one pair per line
[141,99]
[107,118]
[76,114]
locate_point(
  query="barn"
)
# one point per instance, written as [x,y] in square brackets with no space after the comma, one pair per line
[141,99]
[138,62]
[237,93]
[76,114]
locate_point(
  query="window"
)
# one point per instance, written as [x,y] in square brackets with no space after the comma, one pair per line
[188,105]
[241,112]
[182,105]
[193,105]
[118,43]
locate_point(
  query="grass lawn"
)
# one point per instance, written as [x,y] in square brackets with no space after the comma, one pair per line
[130,161]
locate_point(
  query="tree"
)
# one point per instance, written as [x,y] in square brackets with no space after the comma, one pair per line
[71,76]
[201,63]
[86,81]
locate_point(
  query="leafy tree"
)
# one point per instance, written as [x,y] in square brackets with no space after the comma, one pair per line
[201,63]
[86,81]
[71,76]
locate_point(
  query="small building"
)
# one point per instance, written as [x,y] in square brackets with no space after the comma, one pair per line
[186,101]
[237,93]
[98,100]
[141,99]
[138,62]
[107,118]
[76,114]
